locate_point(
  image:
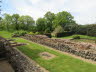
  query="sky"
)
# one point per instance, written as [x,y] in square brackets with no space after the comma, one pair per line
[84,11]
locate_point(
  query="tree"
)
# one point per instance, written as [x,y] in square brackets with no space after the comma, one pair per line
[57,30]
[0,18]
[63,18]
[71,28]
[1,26]
[40,23]
[82,29]
[26,23]
[91,30]
[49,21]
[29,22]
[15,18]
[8,21]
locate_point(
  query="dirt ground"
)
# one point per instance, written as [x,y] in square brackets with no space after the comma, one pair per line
[5,67]
[47,55]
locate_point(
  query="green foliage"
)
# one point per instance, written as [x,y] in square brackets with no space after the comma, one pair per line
[36,33]
[40,23]
[63,18]
[19,33]
[45,25]
[7,21]
[81,36]
[76,37]
[31,33]
[49,16]
[64,34]
[26,23]
[48,24]
[71,28]
[1,25]
[89,30]
[58,29]
[15,23]
[60,63]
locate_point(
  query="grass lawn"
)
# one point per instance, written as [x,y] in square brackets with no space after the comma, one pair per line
[81,36]
[61,63]
[84,38]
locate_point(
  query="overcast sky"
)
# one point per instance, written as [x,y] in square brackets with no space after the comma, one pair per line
[84,11]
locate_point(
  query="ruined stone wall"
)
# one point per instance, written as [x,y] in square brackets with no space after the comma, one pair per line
[84,50]
[19,61]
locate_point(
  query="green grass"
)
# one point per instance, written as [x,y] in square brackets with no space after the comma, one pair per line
[84,38]
[61,63]
[5,34]
[81,36]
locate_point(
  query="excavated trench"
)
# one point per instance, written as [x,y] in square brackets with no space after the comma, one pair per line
[12,60]
[4,64]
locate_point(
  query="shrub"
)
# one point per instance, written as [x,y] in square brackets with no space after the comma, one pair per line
[58,29]
[48,35]
[76,37]
[64,34]
[31,33]
[19,33]
[36,33]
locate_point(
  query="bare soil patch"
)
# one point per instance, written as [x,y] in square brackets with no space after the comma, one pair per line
[47,55]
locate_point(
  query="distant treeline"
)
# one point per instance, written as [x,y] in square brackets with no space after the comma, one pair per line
[62,22]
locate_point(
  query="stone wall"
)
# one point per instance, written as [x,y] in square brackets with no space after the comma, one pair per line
[2,50]
[19,61]
[84,50]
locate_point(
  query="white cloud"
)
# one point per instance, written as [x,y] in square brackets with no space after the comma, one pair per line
[34,1]
[83,10]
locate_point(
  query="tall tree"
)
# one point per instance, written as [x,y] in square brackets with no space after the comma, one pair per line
[49,21]
[29,23]
[26,22]
[1,27]
[63,18]
[8,21]
[40,23]
[0,18]
[15,18]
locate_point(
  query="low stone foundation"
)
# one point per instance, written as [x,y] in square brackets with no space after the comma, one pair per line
[22,63]
[46,55]
[84,50]
[19,61]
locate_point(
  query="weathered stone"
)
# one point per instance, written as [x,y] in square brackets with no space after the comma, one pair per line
[84,50]
[19,61]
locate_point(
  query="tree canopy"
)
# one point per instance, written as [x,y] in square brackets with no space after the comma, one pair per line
[50,23]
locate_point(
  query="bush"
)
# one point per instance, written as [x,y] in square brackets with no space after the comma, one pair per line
[76,37]
[36,33]
[64,34]
[48,34]
[19,33]
[89,30]
[31,33]
[57,30]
